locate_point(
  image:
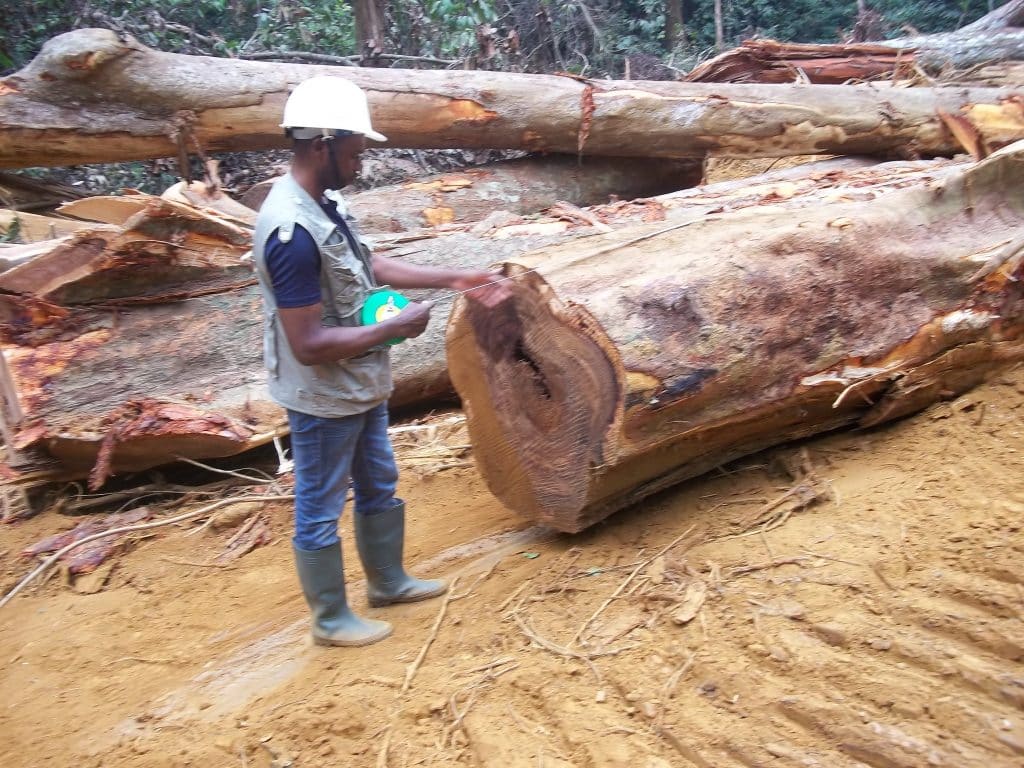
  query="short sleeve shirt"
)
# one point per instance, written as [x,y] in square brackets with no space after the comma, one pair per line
[294,266]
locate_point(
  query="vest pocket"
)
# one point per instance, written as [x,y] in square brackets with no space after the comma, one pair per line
[346,282]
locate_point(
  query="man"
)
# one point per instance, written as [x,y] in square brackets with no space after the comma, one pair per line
[331,373]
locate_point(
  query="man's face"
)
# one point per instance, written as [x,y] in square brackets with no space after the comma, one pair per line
[347,160]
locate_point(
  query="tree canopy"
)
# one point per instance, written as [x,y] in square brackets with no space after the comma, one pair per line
[592,37]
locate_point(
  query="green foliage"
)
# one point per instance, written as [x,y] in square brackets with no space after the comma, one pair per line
[26,26]
[439,28]
[591,36]
[326,27]
[11,233]
[930,16]
[644,27]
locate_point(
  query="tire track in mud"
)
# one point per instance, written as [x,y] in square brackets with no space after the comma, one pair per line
[906,655]
[882,628]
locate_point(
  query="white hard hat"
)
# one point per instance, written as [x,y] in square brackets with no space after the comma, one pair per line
[324,104]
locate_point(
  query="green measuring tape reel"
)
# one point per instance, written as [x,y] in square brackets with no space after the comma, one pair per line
[379,306]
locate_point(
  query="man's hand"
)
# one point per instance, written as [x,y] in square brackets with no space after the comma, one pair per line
[412,320]
[488,288]
[467,279]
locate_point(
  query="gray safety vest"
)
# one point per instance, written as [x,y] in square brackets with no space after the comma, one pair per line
[341,388]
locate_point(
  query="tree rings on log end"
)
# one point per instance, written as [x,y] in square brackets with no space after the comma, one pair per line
[540,390]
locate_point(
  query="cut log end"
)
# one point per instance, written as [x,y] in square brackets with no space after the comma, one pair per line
[857,313]
[548,395]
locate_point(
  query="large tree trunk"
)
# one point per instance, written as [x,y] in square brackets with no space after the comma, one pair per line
[369,27]
[1009,14]
[152,381]
[675,28]
[719,27]
[521,186]
[90,97]
[625,364]
[995,38]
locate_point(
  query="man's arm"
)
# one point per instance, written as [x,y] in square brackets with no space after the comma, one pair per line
[313,343]
[480,284]
[294,269]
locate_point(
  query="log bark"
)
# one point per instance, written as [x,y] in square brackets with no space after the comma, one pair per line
[527,185]
[141,383]
[995,38]
[626,364]
[1009,14]
[91,97]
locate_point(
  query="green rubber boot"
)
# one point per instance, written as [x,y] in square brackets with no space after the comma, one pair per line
[322,576]
[380,539]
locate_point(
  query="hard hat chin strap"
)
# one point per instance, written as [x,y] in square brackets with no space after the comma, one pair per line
[335,173]
[315,133]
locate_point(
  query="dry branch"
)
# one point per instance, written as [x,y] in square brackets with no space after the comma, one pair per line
[413,668]
[117,531]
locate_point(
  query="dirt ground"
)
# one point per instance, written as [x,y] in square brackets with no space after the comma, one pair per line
[883,627]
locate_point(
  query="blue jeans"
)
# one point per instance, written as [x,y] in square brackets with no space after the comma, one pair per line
[327,452]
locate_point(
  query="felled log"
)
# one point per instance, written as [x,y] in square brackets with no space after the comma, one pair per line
[116,384]
[1001,75]
[519,186]
[770,61]
[627,363]
[165,251]
[420,371]
[995,38]
[90,96]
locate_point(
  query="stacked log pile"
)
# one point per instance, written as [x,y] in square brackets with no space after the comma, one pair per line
[646,340]
[136,337]
[140,353]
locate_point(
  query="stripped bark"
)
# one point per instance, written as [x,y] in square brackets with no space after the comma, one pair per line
[90,97]
[627,363]
[166,251]
[124,385]
[768,61]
